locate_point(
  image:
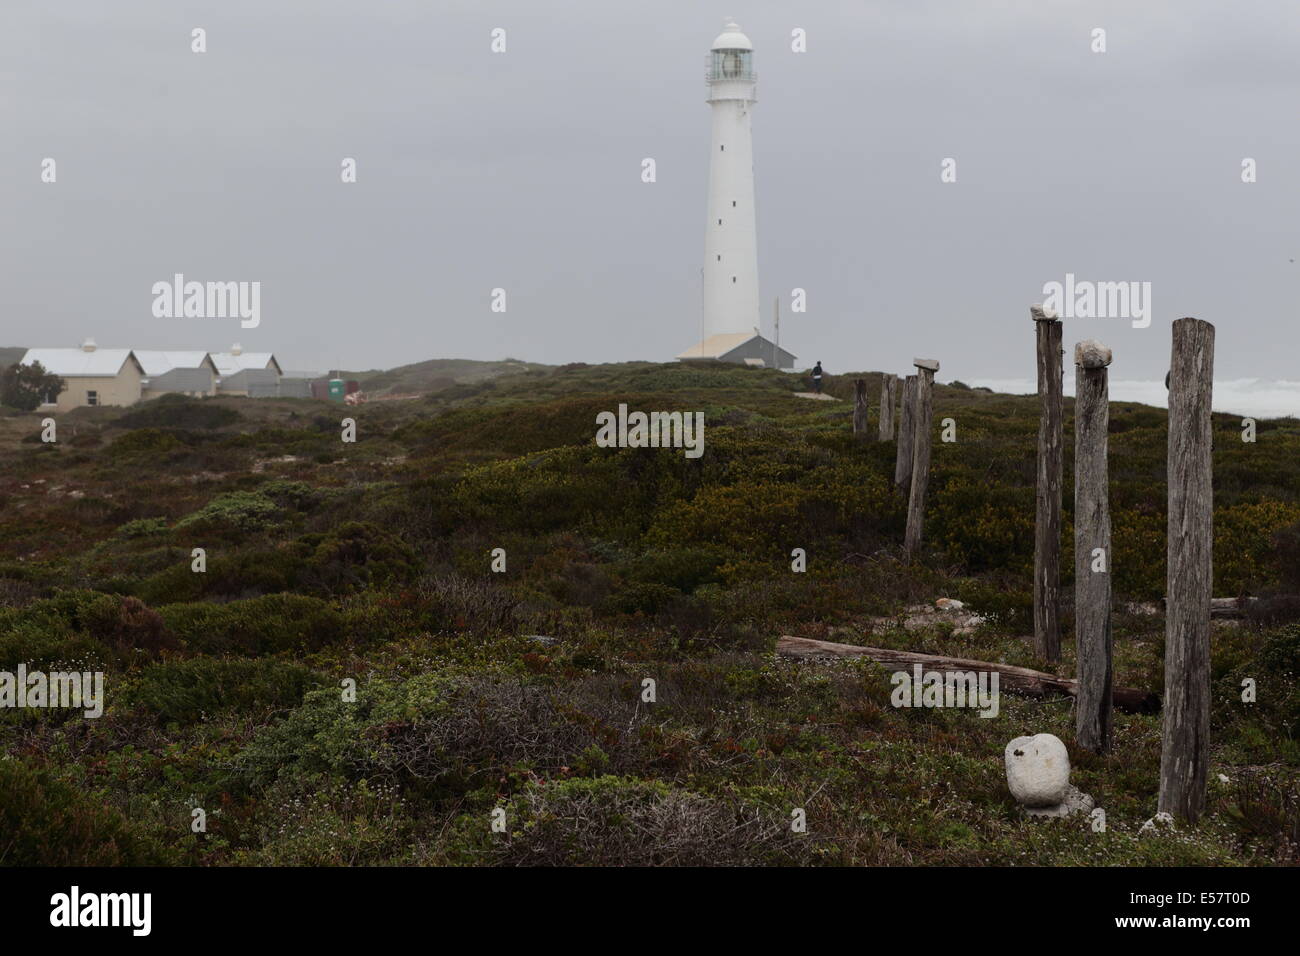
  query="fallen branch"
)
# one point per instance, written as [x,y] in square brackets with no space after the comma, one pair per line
[1017,680]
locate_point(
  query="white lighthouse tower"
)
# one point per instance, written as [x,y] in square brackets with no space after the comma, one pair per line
[730,296]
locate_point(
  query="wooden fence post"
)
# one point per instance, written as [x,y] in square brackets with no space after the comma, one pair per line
[922,418]
[888,398]
[1185,740]
[1047,523]
[860,410]
[903,463]
[1092,591]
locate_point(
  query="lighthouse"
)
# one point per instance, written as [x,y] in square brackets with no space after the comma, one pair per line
[730,321]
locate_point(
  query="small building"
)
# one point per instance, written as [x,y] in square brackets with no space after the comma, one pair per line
[93,376]
[255,374]
[743,348]
[188,372]
[291,386]
[298,383]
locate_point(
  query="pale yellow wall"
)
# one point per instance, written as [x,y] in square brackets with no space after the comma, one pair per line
[121,389]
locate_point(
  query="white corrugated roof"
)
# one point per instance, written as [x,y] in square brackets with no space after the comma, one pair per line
[229,363]
[160,363]
[717,345]
[78,362]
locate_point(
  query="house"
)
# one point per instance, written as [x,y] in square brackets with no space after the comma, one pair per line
[93,376]
[188,372]
[743,348]
[255,374]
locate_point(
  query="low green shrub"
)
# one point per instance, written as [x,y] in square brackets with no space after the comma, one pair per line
[270,624]
[46,822]
[186,691]
[236,511]
[143,528]
[178,411]
[619,821]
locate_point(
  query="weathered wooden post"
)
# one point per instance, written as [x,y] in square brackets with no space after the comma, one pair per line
[903,463]
[1092,634]
[888,397]
[1047,523]
[860,410]
[922,418]
[1185,741]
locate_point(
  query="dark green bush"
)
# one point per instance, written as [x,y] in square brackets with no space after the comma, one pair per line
[241,574]
[682,568]
[270,624]
[125,626]
[46,822]
[643,598]
[356,554]
[185,691]
[144,443]
[178,411]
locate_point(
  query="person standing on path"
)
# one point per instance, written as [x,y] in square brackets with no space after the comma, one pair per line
[817,377]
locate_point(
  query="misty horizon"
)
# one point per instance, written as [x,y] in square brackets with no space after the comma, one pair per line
[521,170]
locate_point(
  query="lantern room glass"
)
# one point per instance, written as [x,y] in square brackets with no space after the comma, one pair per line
[732,65]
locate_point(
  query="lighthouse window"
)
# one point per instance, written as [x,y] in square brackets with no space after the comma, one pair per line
[731,65]
[719,222]
[719,258]
[733,202]
[722,149]
[733,280]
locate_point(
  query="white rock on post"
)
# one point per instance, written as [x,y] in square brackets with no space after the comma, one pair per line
[1091,354]
[1038,770]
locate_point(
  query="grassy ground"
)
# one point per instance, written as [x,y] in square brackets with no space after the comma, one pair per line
[370,562]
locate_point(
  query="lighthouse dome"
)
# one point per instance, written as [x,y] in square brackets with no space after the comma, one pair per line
[731,38]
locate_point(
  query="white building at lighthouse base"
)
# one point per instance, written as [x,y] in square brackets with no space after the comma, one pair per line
[743,348]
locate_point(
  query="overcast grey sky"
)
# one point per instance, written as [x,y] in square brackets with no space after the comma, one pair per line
[522,170]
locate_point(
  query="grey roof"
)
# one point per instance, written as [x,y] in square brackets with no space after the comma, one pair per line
[727,343]
[231,363]
[160,363]
[79,363]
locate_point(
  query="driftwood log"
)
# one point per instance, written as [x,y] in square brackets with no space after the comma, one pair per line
[1016,680]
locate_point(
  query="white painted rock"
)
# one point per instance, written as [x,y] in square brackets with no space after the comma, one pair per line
[1038,770]
[1161,821]
[1076,801]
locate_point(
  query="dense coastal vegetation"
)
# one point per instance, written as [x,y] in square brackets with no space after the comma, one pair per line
[476,689]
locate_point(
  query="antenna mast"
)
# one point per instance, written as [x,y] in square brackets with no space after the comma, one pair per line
[776,335]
